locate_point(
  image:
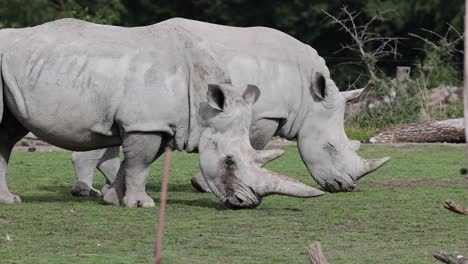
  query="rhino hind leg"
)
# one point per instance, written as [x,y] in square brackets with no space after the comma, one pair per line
[105,160]
[261,133]
[109,166]
[84,164]
[128,189]
[11,131]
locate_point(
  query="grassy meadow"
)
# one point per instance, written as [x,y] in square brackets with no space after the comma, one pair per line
[394,216]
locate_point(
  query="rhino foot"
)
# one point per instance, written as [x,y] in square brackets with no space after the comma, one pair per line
[110,196]
[105,188]
[83,189]
[9,198]
[138,200]
[199,183]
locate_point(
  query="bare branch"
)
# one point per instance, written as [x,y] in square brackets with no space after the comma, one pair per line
[455,207]
[450,258]
[362,39]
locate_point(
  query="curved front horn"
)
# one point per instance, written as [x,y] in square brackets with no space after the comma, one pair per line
[275,183]
[372,165]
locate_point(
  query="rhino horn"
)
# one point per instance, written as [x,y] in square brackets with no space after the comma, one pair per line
[275,183]
[372,165]
[354,145]
[350,95]
[264,156]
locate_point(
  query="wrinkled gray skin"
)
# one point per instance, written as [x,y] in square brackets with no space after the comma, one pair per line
[107,162]
[299,100]
[82,86]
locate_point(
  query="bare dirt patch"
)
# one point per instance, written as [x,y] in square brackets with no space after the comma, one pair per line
[414,183]
[7,221]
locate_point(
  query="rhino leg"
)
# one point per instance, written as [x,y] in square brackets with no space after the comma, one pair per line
[128,189]
[106,160]
[109,166]
[84,164]
[11,131]
[199,183]
[261,133]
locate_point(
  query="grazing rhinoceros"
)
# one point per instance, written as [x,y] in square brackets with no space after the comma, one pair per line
[299,100]
[82,86]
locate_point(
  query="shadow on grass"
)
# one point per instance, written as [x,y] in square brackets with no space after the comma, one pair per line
[61,193]
[204,202]
[184,187]
[66,190]
[56,198]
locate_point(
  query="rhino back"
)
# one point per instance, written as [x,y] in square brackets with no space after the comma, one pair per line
[75,79]
[280,65]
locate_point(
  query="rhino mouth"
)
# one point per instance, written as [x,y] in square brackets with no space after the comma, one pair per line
[241,184]
[346,181]
[245,199]
[337,185]
[238,195]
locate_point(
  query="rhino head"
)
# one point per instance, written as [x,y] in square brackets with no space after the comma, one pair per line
[324,147]
[230,166]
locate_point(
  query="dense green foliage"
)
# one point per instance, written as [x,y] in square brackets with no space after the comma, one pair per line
[303,19]
[394,216]
[412,104]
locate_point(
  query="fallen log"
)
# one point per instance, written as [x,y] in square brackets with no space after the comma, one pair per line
[449,131]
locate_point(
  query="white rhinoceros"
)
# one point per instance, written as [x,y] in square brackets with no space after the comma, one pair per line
[299,100]
[82,86]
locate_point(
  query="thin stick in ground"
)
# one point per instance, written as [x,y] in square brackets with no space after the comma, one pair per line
[316,255]
[162,209]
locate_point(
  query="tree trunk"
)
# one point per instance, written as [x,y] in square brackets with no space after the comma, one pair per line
[449,130]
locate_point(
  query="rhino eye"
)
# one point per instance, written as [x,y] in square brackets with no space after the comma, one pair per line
[330,148]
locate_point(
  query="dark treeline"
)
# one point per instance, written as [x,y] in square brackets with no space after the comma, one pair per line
[303,19]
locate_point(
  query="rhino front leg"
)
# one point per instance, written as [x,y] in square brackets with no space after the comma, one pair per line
[261,133]
[128,189]
[105,160]
[11,131]
[199,183]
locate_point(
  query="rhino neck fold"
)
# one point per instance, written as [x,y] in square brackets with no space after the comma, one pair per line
[293,123]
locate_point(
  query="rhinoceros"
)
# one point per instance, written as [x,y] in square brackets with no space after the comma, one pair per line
[300,100]
[83,86]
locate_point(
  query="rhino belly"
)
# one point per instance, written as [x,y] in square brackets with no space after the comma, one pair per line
[68,109]
[71,125]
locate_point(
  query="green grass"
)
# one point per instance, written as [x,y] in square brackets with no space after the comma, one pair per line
[394,216]
[362,134]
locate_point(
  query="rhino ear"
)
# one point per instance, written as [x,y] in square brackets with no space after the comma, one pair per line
[319,86]
[251,94]
[215,97]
